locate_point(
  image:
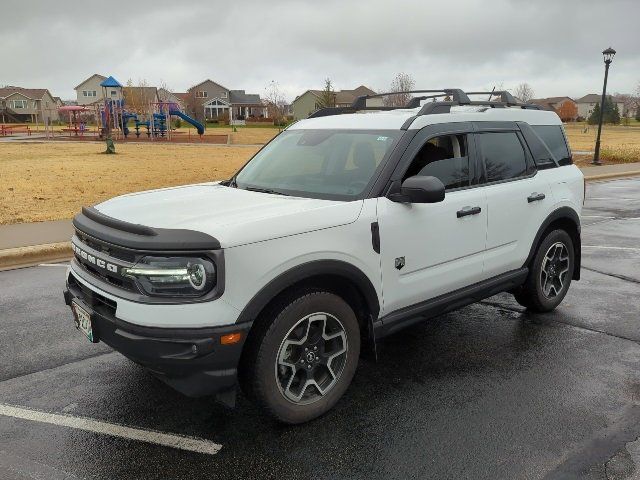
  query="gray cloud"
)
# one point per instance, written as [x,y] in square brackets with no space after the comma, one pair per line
[553,45]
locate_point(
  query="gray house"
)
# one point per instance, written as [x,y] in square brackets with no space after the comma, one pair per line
[33,105]
[587,103]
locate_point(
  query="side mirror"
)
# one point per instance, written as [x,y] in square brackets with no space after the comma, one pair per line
[420,189]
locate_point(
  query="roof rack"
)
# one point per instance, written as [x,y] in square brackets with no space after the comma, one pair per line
[450,97]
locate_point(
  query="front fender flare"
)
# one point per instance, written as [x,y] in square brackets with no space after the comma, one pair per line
[308,270]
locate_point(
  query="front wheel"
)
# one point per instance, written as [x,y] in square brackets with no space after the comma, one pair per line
[304,357]
[550,273]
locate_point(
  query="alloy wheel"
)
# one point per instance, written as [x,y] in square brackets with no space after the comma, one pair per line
[555,267]
[311,358]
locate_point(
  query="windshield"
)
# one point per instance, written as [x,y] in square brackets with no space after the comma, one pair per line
[328,164]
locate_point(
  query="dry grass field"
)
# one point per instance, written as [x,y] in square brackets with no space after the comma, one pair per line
[50,181]
[619,144]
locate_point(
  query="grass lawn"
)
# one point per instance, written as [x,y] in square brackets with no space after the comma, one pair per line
[619,144]
[50,181]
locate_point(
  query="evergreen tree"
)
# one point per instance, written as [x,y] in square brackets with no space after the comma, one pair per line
[595,115]
[615,114]
[611,112]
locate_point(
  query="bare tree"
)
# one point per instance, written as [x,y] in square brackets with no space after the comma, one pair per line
[402,82]
[275,102]
[628,101]
[327,96]
[137,97]
[524,92]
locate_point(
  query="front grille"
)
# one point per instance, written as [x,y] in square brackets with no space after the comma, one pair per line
[96,301]
[107,249]
[109,253]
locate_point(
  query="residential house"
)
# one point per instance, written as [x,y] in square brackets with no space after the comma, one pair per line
[565,107]
[89,91]
[587,103]
[34,105]
[311,100]
[209,100]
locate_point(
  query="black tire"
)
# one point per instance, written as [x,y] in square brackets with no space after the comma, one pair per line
[532,294]
[262,375]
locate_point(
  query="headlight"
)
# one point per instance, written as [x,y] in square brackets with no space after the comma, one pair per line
[173,276]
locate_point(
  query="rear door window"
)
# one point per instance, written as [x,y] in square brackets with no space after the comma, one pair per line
[503,155]
[553,137]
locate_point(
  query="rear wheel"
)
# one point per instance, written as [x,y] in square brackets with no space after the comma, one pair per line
[304,357]
[550,273]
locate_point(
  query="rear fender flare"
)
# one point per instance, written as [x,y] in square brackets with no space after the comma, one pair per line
[562,214]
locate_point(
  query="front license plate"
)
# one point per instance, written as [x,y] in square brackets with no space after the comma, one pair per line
[83,321]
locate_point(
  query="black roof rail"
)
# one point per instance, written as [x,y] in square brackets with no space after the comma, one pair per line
[450,97]
[328,111]
[456,94]
[505,97]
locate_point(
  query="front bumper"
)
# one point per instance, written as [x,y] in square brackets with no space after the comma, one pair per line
[191,360]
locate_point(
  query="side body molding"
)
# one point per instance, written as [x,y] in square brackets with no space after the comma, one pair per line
[562,214]
[306,271]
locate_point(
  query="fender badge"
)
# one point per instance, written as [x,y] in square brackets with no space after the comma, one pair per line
[399,263]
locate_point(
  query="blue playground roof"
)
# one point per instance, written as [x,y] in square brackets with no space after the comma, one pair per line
[110,82]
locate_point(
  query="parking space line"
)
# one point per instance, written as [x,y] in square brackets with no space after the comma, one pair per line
[181,442]
[606,247]
[53,265]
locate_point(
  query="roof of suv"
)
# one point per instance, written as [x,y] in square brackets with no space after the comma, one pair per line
[395,119]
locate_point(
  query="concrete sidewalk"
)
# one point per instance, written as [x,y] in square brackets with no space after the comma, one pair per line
[619,169]
[41,233]
[38,233]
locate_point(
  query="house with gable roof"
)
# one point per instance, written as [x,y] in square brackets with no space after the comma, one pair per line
[33,105]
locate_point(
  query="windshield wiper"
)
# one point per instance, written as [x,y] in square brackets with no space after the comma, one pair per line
[264,190]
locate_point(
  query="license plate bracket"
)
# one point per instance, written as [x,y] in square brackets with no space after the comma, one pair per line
[82,318]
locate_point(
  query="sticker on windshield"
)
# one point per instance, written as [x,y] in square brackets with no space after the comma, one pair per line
[382,139]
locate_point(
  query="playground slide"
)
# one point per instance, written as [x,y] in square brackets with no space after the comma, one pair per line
[188,119]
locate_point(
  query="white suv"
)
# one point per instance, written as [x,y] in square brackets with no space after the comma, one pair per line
[345,228]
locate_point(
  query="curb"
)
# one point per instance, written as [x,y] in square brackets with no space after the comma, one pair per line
[28,256]
[604,176]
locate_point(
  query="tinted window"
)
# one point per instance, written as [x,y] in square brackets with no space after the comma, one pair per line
[554,138]
[443,157]
[503,155]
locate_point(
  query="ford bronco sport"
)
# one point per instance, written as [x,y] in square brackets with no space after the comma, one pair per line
[347,227]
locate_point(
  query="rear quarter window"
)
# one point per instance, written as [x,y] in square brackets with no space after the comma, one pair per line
[553,137]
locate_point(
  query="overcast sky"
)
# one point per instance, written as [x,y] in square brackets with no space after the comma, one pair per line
[553,45]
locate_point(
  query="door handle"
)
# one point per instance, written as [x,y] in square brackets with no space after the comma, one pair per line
[468,211]
[534,197]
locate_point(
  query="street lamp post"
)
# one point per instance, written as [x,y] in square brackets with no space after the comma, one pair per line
[608,55]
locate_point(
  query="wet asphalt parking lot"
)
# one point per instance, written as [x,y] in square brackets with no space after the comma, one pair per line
[489,391]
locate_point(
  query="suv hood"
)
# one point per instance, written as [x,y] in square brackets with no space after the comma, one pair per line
[233,216]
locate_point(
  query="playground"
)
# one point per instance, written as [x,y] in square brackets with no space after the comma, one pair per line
[119,119]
